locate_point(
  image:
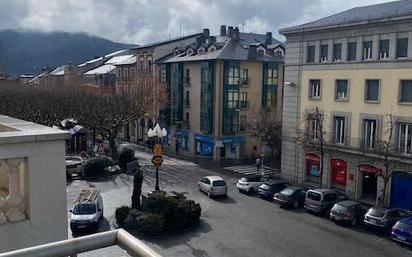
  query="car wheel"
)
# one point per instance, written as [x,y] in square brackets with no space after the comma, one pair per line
[295,204]
[209,194]
[354,222]
[251,190]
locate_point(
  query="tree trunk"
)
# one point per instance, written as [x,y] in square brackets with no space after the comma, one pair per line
[112,145]
[321,169]
[137,189]
[385,188]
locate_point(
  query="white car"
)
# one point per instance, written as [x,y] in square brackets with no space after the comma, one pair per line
[87,211]
[251,183]
[213,186]
[74,164]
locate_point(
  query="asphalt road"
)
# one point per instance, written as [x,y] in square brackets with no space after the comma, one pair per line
[240,225]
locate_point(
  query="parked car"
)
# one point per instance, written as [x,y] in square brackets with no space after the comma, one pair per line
[383,218]
[87,211]
[348,212]
[268,189]
[74,165]
[402,231]
[213,186]
[320,201]
[251,183]
[291,196]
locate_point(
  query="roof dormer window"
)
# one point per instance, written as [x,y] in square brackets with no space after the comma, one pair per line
[212,48]
[261,50]
[189,51]
[201,50]
[176,52]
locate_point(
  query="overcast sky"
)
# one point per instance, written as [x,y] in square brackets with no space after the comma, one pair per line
[144,21]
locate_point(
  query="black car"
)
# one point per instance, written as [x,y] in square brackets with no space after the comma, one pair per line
[348,212]
[384,219]
[291,196]
[268,189]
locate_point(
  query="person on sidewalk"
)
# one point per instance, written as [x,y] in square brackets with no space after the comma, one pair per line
[258,162]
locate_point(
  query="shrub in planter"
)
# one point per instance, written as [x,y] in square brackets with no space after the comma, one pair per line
[178,212]
[151,224]
[132,220]
[121,214]
[95,167]
[126,156]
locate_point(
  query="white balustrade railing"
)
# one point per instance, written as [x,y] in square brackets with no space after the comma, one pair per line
[12,208]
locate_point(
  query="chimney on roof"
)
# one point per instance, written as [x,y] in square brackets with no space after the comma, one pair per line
[223,30]
[230,31]
[236,33]
[268,40]
[206,33]
[198,41]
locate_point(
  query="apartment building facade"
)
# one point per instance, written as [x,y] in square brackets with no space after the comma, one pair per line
[217,86]
[355,69]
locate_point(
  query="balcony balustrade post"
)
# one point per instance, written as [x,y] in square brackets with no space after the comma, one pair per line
[14,201]
[3,219]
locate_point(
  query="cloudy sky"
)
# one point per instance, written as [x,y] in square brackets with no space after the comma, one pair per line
[142,21]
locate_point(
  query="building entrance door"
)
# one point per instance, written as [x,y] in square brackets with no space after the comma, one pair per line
[369,182]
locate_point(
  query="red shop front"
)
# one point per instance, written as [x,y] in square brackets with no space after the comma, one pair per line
[339,170]
[312,162]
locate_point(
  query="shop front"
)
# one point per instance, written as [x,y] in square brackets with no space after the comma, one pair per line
[232,146]
[369,182]
[339,173]
[204,145]
[312,166]
[182,140]
[401,190]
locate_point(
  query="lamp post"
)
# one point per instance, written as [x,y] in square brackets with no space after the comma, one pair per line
[237,135]
[156,134]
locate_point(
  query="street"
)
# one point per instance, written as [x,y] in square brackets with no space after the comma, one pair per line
[240,225]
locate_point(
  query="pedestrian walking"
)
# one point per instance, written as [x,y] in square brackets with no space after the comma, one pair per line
[258,162]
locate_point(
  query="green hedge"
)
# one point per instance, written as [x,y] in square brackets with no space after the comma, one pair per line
[178,212]
[94,167]
[151,224]
[126,156]
[121,214]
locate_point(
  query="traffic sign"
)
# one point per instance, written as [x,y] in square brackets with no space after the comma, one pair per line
[157,161]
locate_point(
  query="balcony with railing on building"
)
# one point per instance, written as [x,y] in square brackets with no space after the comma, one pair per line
[32,169]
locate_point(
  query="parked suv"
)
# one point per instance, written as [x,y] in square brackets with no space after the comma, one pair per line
[320,201]
[384,219]
[250,183]
[87,211]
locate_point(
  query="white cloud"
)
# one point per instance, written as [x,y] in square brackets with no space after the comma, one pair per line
[142,21]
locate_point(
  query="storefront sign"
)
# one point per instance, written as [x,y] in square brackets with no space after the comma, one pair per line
[368,168]
[219,144]
[312,157]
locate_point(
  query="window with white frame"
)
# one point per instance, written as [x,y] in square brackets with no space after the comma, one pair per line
[339,130]
[405,94]
[384,49]
[314,129]
[324,53]
[367,50]
[337,52]
[372,90]
[405,138]
[401,47]
[314,89]
[341,90]
[369,133]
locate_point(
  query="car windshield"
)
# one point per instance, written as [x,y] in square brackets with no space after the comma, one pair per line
[404,225]
[81,209]
[219,183]
[314,196]
[376,212]
[287,191]
[339,207]
[244,179]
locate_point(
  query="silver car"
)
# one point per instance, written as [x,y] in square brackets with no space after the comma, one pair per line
[213,186]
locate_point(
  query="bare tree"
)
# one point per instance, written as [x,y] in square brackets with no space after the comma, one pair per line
[313,137]
[106,114]
[268,128]
[384,152]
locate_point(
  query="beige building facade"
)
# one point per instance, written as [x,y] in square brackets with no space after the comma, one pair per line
[355,70]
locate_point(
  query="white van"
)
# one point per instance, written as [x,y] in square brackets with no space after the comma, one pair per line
[87,211]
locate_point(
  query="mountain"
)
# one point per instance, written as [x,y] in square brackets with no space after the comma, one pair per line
[27,52]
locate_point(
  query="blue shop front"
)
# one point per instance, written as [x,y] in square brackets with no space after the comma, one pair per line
[204,145]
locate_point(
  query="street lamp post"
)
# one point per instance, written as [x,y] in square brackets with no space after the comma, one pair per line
[156,134]
[237,135]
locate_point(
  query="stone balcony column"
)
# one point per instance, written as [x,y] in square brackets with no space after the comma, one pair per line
[14,201]
[3,219]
